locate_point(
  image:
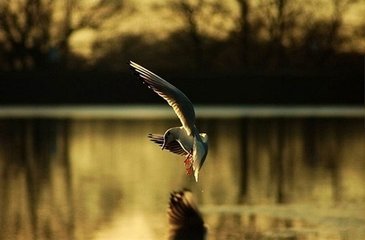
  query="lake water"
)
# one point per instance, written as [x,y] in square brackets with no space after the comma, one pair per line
[84,175]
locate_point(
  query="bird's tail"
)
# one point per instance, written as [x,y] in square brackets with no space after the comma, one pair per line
[173,147]
[156,138]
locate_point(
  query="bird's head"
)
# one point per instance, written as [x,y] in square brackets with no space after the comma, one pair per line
[204,137]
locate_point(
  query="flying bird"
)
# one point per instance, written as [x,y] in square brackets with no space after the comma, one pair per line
[185,220]
[186,139]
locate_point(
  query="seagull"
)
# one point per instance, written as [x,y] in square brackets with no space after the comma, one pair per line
[185,220]
[186,139]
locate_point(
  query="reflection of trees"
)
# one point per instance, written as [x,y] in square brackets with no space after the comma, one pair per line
[35,33]
[34,158]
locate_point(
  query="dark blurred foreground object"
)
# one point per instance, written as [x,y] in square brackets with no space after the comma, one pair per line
[186,222]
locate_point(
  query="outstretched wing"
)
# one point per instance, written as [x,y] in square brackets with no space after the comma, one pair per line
[185,219]
[173,146]
[175,98]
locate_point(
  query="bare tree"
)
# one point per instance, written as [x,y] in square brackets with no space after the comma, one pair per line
[189,13]
[280,20]
[322,37]
[197,15]
[339,9]
[245,28]
[35,33]
[282,17]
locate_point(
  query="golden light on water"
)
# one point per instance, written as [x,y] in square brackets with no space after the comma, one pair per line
[97,176]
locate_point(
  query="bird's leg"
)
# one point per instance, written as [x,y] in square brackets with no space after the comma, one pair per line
[188,164]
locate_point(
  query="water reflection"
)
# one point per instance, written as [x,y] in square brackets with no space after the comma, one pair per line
[103,179]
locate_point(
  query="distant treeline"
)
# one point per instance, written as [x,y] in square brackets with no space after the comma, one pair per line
[273,35]
[275,52]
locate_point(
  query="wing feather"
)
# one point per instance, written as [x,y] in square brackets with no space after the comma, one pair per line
[173,146]
[186,222]
[175,98]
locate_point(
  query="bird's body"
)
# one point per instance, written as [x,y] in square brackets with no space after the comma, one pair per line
[181,136]
[185,140]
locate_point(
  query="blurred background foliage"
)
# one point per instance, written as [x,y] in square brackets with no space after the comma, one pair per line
[199,34]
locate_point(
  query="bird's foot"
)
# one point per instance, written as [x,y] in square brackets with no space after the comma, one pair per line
[188,165]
